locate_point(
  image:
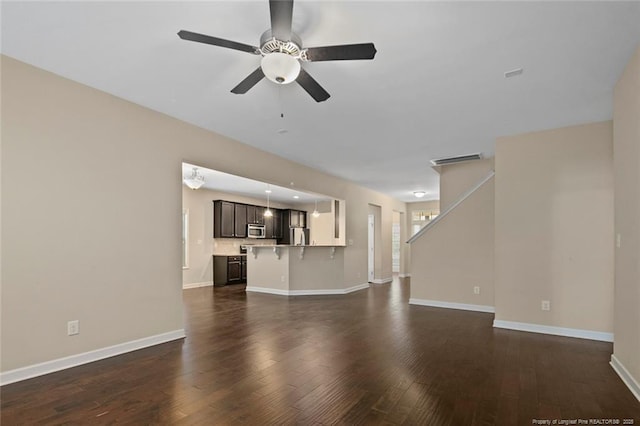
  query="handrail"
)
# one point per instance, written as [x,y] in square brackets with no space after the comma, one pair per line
[450,208]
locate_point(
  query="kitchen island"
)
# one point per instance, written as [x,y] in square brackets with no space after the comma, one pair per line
[297,270]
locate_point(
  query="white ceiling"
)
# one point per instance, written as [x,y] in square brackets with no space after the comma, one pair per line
[435,89]
[225,182]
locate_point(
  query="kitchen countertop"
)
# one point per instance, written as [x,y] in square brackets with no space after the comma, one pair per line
[294,245]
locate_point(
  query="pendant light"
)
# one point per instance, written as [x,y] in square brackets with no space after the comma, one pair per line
[316,213]
[268,212]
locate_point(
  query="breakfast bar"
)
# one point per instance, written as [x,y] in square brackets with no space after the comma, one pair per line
[295,270]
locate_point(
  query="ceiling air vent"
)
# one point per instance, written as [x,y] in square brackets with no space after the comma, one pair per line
[458,159]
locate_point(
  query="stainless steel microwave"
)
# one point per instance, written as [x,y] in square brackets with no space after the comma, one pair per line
[255,231]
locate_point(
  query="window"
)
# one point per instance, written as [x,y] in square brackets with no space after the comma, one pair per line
[419,218]
[395,247]
[185,239]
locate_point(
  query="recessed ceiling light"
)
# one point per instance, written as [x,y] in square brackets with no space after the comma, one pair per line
[419,194]
[268,191]
[513,73]
[296,196]
[282,131]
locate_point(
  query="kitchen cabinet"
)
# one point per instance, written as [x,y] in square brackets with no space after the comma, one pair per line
[255,215]
[302,219]
[273,225]
[229,219]
[295,219]
[229,270]
[240,220]
[223,219]
[243,268]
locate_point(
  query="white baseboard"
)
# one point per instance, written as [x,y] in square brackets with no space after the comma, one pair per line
[556,331]
[321,292]
[196,285]
[47,367]
[626,377]
[356,288]
[452,305]
[404,275]
[382,280]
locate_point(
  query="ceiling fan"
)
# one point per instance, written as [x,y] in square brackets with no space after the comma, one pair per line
[281,51]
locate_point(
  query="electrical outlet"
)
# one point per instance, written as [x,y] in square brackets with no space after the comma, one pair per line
[546,305]
[73,328]
[281,278]
[618,240]
[476,290]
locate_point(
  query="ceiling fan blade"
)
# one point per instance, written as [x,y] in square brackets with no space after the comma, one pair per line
[201,38]
[281,16]
[342,52]
[312,87]
[248,82]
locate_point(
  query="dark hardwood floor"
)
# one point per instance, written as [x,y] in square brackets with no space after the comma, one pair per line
[364,358]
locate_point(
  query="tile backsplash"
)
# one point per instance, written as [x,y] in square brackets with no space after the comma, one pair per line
[231,246]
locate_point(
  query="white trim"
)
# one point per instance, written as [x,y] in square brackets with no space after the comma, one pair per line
[382,280]
[404,275]
[47,367]
[452,305]
[451,207]
[321,292]
[276,291]
[196,285]
[557,331]
[626,377]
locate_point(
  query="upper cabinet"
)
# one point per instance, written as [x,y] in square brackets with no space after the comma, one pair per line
[229,219]
[273,225]
[241,220]
[255,215]
[295,219]
[223,219]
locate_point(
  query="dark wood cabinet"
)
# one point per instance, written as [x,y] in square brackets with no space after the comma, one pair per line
[223,219]
[273,225]
[302,219]
[229,270]
[295,218]
[240,220]
[255,215]
[229,219]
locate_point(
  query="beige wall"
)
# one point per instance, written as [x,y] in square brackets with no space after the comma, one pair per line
[554,227]
[84,239]
[626,158]
[456,179]
[456,254]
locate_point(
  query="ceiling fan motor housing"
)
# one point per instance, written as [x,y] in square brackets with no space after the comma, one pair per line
[280,61]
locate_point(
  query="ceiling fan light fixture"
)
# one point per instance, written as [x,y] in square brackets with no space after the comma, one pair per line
[195,181]
[281,68]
